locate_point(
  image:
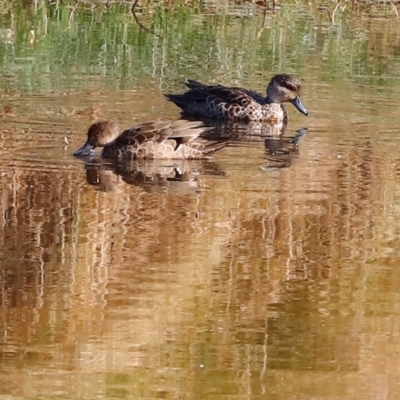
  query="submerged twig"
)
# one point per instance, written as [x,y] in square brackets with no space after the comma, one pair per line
[263,25]
[332,16]
[136,18]
[73,12]
[394,9]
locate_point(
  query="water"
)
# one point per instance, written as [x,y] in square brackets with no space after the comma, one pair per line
[268,272]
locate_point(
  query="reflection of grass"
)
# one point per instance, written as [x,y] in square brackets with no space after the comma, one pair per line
[331,9]
[353,6]
[52,46]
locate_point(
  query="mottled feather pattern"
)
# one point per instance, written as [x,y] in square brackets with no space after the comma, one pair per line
[160,139]
[192,84]
[235,103]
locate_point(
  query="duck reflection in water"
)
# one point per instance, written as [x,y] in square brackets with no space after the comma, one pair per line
[232,130]
[179,179]
[134,155]
[282,151]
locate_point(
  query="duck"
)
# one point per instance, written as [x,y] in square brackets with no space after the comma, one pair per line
[177,139]
[238,104]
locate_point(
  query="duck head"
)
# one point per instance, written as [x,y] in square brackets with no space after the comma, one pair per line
[284,88]
[99,134]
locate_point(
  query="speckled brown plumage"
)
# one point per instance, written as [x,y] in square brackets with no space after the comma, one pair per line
[239,104]
[160,139]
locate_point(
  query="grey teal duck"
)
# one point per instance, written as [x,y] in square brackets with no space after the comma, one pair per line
[160,139]
[234,103]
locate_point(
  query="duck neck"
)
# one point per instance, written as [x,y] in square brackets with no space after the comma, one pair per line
[269,100]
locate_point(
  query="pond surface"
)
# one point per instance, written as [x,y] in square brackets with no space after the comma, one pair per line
[271,271]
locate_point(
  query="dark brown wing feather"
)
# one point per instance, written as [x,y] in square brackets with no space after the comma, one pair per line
[182,131]
[195,85]
[162,139]
[199,97]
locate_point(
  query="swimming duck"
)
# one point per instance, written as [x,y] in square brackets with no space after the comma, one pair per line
[234,103]
[160,139]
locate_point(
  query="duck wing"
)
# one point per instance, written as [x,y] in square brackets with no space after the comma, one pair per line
[200,94]
[258,97]
[182,131]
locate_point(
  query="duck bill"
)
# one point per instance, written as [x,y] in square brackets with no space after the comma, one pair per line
[299,105]
[86,149]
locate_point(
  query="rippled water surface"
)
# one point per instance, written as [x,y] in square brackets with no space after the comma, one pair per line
[269,272]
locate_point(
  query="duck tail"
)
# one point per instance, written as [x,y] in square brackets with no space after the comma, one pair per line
[178,99]
[192,84]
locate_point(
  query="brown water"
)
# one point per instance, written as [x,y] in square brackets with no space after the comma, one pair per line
[269,272]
